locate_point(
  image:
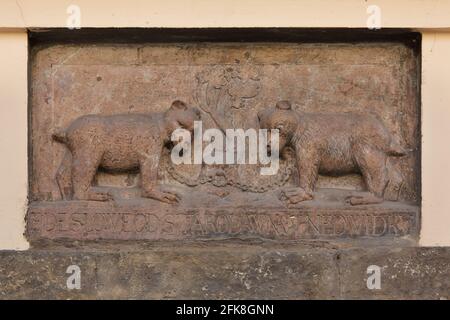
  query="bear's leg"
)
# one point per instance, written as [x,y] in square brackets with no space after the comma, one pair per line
[308,161]
[149,177]
[85,162]
[372,164]
[395,182]
[64,177]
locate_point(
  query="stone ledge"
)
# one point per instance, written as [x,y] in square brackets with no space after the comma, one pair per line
[223,271]
[407,273]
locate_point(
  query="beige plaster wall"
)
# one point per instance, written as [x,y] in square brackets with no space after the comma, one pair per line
[225,13]
[435,139]
[432,17]
[13,139]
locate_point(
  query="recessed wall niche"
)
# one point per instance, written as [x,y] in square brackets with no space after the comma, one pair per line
[99,103]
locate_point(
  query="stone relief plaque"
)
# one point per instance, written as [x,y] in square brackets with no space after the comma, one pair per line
[102,117]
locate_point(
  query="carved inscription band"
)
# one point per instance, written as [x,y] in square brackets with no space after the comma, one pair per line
[285,224]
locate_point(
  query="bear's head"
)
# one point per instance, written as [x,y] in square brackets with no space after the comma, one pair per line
[283,118]
[181,116]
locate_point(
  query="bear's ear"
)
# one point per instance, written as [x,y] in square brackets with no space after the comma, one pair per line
[178,105]
[283,105]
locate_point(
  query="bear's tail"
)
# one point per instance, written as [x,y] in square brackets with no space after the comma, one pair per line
[396,150]
[60,136]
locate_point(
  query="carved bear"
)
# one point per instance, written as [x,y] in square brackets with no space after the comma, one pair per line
[333,144]
[119,143]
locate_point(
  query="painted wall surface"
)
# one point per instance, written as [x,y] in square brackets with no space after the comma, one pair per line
[431,17]
[435,136]
[226,13]
[13,139]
